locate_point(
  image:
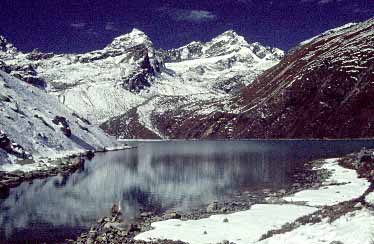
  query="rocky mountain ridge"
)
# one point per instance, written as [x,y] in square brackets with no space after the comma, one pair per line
[224,44]
[130,74]
[322,89]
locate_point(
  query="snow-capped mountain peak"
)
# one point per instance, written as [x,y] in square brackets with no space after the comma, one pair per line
[227,43]
[129,71]
[134,38]
[229,37]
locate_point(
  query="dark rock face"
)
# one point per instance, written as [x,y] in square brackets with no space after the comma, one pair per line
[262,51]
[193,50]
[4,141]
[3,43]
[323,89]
[232,85]
[62,121]
[142,76]
[137,81]
[12,148]
[4,67]
[26,73]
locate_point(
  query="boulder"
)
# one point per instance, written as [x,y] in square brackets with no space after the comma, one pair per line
[212,207]
[90,155]
[63,122]
[172,215]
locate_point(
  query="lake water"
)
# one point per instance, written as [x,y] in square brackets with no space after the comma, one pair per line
[155,176]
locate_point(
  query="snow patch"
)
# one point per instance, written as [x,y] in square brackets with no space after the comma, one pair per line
[352,228]
[342,185]
[242,227]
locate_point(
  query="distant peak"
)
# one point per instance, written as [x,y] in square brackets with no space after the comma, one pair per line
[230,32]
[137,31]
[134,32]
[5,45]
[228,35]
[135,37]
[3,40]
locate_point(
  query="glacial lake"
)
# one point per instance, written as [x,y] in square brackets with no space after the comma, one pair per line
[156,176]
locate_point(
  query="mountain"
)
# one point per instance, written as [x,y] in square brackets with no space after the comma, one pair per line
[323,88]
[128,77]
[227,43]
[35,125]
[224,88]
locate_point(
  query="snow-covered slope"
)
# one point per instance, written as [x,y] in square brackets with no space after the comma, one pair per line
[130,73]
[35,125]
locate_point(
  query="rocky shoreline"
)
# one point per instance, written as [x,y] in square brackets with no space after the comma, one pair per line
[47,168]
[115,229]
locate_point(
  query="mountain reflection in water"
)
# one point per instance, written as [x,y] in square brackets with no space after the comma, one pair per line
[156,176]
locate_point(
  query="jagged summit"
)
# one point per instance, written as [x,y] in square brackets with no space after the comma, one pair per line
[230,32]
[6,46]
[227,43]
[229,36]
[137,31]
[129,71]
[134,38]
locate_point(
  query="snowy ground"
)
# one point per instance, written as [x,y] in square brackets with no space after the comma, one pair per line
[343,185]
[370,198]
[353,228]
[248,226]
[26,117]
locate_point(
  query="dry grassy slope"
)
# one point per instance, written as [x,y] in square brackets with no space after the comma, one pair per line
[324,88]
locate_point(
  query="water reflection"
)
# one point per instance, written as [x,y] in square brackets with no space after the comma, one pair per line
[155,176]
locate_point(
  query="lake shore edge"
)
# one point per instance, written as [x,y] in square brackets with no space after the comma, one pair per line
[113,229]
[16,174]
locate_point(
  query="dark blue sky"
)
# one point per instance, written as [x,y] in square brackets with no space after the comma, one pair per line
[84,25]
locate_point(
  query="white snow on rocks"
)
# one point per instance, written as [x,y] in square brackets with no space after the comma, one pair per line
[353,228]
[370,198]
[26,115]
[24,168]
[329,32]
[242,227]
[248,226]
[342,185]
